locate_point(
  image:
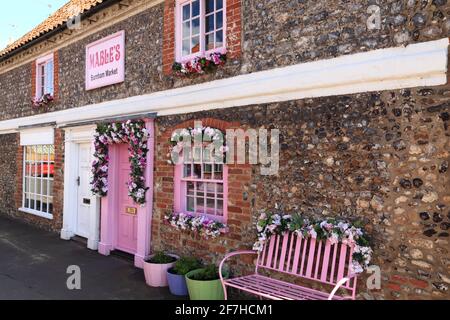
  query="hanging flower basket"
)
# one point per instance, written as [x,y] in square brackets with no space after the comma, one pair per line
[136,136]
[43,101]
[330,229]
[200,65]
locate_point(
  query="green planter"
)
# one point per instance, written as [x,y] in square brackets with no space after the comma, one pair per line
[204,290]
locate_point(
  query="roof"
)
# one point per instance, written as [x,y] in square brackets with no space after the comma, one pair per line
[62,15]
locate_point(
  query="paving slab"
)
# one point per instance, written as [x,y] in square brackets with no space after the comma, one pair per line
[33,265]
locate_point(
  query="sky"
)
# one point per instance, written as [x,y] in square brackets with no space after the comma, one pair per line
[17,17]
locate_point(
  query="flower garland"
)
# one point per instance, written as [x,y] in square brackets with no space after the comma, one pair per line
[179,138]
[201,225]
[136,135]
[200,65]
[330,229]
[42,101]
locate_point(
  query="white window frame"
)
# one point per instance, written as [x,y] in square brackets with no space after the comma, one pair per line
[29,165]
[43,82]
[179,31]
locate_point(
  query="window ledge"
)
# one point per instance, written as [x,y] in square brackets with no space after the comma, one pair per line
[37,213]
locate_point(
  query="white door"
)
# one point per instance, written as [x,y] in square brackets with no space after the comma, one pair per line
[84,193]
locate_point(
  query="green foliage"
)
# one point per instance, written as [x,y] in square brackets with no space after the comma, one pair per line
[161,258]
[209,273]
[186,265]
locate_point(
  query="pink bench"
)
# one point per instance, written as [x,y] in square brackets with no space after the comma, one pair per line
[316,261]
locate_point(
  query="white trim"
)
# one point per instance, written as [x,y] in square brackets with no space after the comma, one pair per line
[420,64]
[37,136]
[37,213]
[73,138]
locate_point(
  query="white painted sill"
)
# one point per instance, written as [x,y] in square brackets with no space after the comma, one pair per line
[37,213]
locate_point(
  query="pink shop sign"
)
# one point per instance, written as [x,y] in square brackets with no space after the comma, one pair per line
[105,61]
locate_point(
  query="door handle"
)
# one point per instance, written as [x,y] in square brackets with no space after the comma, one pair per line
[78,181]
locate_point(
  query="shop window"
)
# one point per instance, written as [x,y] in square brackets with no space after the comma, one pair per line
[201,28]
[45,76]
[38,175]
[202,188]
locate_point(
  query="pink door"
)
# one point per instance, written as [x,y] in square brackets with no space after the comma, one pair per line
[127,223]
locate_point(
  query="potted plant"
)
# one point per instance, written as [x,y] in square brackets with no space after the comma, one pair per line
[176,276]
[204,284]
[156,266]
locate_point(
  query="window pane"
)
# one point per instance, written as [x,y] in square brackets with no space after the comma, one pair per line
[197,171]
[190,204]
[211,206]
[195,44]
[186,11]
[201,205]
[209,6]
[195,8]
[207,171]
[196,26]
[186,47]
[190,189]
[209,23]
[211,190]
[187,170]
[32,203]
[219,4]
[219,20]
[200,189]
[219,208]
[219,39]
[186,29]
[219,188]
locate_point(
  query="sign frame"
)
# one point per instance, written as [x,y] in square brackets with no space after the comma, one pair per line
[120,65]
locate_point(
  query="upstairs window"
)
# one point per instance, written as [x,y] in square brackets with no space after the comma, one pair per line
[200,28]
[45,76]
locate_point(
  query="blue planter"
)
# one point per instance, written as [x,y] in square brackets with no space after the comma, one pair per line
[177,284]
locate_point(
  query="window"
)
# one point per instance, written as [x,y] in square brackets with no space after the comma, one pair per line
[202,188]
[45,76]
[38,172]
[201,27]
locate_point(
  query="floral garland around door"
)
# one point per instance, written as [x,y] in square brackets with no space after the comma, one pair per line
[135,134]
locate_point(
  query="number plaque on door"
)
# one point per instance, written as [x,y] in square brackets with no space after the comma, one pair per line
[132,211]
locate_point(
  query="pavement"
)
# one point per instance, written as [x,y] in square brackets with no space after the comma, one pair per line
[34,263]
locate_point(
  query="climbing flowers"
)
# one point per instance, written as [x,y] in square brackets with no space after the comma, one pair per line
[188,137]
[322,230]
[200,225]
[200,65]
[133,133]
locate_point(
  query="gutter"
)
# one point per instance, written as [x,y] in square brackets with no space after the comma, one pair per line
[105,4]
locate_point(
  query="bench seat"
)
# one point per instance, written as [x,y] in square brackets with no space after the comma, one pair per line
[276,289]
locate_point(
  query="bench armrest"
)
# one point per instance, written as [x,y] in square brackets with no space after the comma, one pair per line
[340,284]
[231,254]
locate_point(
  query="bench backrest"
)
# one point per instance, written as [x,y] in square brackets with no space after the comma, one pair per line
[308,258]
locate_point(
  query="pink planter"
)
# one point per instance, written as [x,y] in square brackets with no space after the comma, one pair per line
[156,274]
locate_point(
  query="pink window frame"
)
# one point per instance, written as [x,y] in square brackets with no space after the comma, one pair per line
[179,36]
[39,62]
[180,199]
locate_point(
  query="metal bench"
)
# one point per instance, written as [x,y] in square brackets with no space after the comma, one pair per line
[317,261]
